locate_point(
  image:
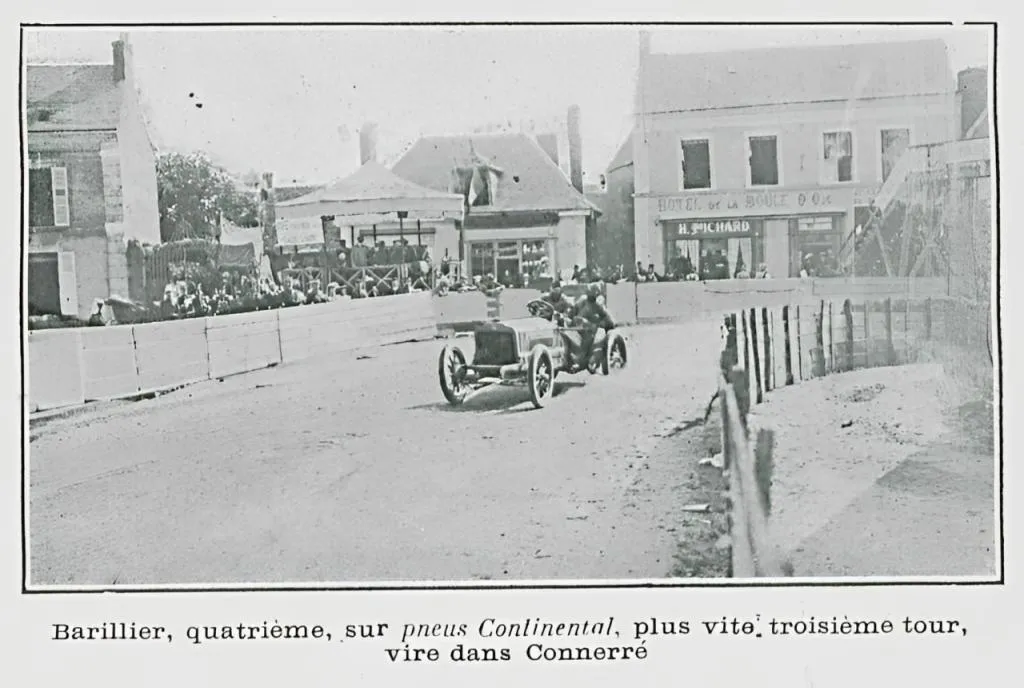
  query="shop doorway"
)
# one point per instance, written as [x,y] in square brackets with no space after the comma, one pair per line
[509,272]
[43,284]
[714,259]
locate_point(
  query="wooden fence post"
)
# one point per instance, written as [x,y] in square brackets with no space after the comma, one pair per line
[819,342]
[831,360]
[868,342]
[756,367]
[764,467]
[906,332]
[928,318]
[799,345]
[746,341]
[890,352]
[789,349]
[730,355]
[739,380]
[768,382]
[848,320]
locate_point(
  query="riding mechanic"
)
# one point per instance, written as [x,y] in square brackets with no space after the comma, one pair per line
[593,317]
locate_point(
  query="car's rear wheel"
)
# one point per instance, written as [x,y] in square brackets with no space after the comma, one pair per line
[540,376]
[451,368]
[614,353]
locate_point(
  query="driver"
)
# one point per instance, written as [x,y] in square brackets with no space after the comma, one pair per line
[559,303]
[594,318]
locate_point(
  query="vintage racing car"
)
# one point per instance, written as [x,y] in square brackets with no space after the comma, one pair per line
[529,351]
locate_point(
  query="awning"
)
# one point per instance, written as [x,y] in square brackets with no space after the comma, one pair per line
[236,256]
[371,190]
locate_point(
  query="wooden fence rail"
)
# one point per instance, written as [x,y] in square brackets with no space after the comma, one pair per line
[758,354]
[749,467]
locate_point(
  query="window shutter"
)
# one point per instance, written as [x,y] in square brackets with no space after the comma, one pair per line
[67,283]
[40,203]
[61,210]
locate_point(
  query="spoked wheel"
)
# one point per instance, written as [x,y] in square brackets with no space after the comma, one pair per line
[451,369]
[614,354]
[540,309]
[540,376]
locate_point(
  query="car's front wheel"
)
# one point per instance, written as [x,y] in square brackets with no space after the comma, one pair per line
[540,376]
[614,353]
[451,368]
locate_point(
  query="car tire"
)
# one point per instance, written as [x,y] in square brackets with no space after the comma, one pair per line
[451,358]
[540,376]
[615,355]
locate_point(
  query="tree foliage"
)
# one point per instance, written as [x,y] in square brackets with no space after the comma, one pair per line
[194,195]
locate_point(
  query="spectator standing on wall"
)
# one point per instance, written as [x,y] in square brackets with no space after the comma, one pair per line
[360,254]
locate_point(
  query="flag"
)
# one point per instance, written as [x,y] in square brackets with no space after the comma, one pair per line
[478,188]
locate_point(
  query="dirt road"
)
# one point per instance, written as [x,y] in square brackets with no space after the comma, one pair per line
[884,472]
[350,470]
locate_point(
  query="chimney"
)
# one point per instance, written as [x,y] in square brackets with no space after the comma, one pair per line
[575,148]
[119,61]
[368,143]
[549,142]
[972,94]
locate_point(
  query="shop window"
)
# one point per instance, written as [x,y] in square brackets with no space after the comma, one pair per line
[695,163]
[481,259]
[535,260]
[48,197]
[894,144]
[838,156]
[764,160]
[816,246]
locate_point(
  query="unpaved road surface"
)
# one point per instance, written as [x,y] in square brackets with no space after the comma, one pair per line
[884,472]
[346,470]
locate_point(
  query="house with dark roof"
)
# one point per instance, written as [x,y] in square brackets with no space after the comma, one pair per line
[525,220]
[91,183]
[767,156]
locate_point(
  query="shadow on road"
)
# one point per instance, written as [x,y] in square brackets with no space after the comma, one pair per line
[501,399]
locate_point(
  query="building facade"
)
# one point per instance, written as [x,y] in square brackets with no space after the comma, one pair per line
[91,183]
[771,157]
[610,243]
[526,219]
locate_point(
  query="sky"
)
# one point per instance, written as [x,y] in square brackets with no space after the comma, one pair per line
[291,99]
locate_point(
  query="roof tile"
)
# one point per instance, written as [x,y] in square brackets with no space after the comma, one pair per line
[70,97]
[530,180]
[782,75]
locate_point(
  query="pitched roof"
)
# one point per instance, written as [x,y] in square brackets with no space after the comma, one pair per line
[530,180]
[775,76]
[979,129]
[288,193]
[624,156]
[371,182]
[72,97]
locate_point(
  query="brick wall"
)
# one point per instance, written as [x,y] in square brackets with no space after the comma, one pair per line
[80,154]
